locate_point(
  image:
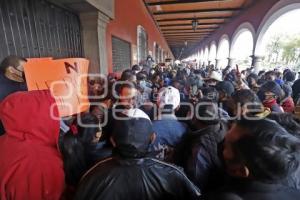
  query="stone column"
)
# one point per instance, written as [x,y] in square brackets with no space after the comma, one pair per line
[230,61]
[94,40]
[257,62]
[103,20]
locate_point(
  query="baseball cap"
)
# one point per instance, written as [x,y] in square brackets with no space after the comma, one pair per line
[133,133]
[135,113]
[168,96]
[226,87]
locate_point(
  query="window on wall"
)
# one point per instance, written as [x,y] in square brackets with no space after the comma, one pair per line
[142,42]
[121,54]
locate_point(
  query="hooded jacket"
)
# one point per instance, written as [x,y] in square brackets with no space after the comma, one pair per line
[30,166]
[135,179]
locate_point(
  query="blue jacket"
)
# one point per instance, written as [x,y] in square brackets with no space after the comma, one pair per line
[8,87]
[169,132]
[199,155]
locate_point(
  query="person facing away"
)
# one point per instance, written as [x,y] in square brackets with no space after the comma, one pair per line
[168,129]
[198,152]
[81,147]
[31,166]
[259,155]
[130,173]
[12,78]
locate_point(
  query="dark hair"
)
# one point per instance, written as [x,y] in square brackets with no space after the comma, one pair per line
[253,76]
[210,93]
[10,61]
[245,96]
[135,68]
[77,148]
[267,149]
[272,86]
[141,76]
[287,121]
[270,73]
[73,154]
[167,109]
[87,134]
[261,72]
[207,111]
[129,85]
[296,90]
[127,75]
[289,76]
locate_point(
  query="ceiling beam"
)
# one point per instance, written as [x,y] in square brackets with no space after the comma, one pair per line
[199,24]
[184,35]
[179,2]
[189,29]
[197,39]
[206,34]
[197,18]
[197,11]
[174,34]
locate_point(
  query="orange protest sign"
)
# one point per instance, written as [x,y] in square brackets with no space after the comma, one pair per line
[38,59]
[66,78]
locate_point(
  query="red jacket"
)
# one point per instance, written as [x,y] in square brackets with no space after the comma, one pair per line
[31,167]
[288,105]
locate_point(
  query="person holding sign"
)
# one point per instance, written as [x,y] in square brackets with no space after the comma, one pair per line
[12,78]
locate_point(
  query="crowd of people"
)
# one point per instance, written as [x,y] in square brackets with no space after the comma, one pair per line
[155,132]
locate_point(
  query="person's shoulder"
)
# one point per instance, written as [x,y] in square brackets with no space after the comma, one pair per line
[222,196]
[99,167]
[171,168]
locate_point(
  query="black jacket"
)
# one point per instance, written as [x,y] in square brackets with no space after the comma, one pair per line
[254,190]
[199,155]
[135,179]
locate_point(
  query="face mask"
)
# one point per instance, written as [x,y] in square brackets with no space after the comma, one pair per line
[143,84]
[15,74]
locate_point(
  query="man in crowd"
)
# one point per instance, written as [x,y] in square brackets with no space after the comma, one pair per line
[130,174]
[270,94]
[12,78]
[198,151]
[259,155]
[168,129]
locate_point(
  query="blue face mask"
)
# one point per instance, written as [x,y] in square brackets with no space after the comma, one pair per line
[143,84]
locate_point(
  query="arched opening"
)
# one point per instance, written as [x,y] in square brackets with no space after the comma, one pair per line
[206,54]
[201,57]
[242,46]
[279,38]
[213,53]
[223,52]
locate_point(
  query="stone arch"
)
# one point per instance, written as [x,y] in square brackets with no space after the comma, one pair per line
[279,9]
[223,51]
[246,26]
[212,52]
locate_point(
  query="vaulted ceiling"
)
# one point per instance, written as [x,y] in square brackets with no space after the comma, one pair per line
[175,19]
